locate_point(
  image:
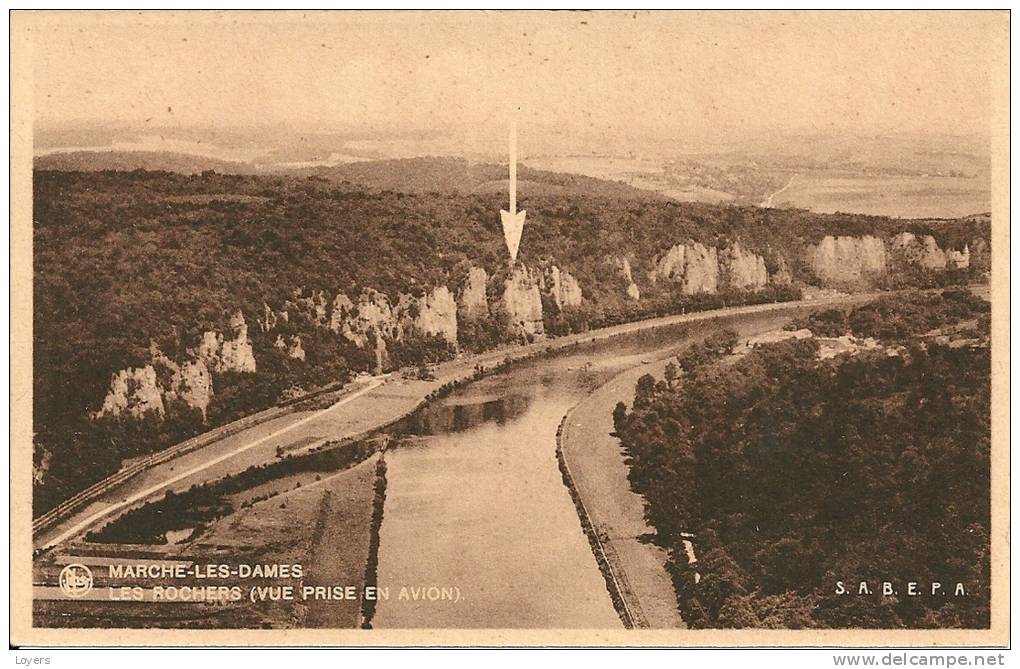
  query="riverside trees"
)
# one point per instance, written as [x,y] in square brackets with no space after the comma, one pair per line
[797,474]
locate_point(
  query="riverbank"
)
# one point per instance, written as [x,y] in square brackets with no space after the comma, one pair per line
[596,472]
[361,414]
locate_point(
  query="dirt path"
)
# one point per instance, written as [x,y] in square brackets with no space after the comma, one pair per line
[356,414]
[599,472]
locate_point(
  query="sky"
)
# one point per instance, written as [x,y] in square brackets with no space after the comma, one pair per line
[583,75]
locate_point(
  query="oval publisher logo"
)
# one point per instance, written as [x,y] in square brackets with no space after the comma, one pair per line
[75,580]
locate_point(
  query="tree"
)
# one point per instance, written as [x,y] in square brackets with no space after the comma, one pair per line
[671,374]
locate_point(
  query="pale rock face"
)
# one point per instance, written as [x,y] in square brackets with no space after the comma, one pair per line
[742,269]
[135,392]
[437,314]
[341,311]
[189,382]
[41,463]
[702,272]
[923,251]
[228,355]
[633,292]
[781,276]
[268,320]
[671,266]
[523,303]
[237,355]
[958,259]
[472,302]
[847,259]
[372,313]
[294,349]
[193,384]
[564,289]
[694,266]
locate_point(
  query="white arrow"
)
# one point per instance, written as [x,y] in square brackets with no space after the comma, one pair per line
[513,220]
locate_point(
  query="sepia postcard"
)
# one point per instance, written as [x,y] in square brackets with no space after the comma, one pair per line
[510,328]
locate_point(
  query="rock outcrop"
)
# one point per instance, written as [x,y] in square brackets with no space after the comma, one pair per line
[233,354]
[842,260]
[739,268]
[958,259]
[522,301]
[133,392]
[781,276]
[924,251]
[434,313]
[294,349]
[371,314]
[909,249]
[472,303]
[192,384]
[268,320]
[693,265]
[341,310]
[437,314]
[633,292]
[563,288]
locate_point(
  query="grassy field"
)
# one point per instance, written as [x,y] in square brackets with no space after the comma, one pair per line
[324,525]
[902,196]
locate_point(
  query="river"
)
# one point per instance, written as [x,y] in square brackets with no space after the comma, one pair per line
[476,501]
[476,509]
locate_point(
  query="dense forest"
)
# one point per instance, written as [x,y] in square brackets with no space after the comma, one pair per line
[795,474]
[127,260]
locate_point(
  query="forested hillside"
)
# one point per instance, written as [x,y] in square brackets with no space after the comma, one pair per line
[167,303]
[798,478]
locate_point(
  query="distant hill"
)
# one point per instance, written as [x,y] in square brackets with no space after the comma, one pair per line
[405,175]
[456,175]
[127,161]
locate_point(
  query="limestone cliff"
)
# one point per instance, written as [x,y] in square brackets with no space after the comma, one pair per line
[189,382]
[233,354]
[192,384]
[341,310]
[740,268]
[671,266]
[633,292]
[371,314]
[781,275]
[958,259]
[294,349]
[909,249]
[692,265]
[437,314]
[522,302]
[472,303]
[268,319]
[563,288]
[841,260]
[133,392]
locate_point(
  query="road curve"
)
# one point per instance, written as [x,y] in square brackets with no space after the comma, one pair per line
[87,522]
[353,416]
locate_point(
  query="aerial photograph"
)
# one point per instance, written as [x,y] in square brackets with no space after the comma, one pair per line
[585,323]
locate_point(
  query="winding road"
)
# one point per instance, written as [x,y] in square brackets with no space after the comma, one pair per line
[357,414]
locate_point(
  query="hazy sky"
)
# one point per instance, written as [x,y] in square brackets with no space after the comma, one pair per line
[584,73]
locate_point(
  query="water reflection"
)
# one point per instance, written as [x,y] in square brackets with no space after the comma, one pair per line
[480,505]
[457,415]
